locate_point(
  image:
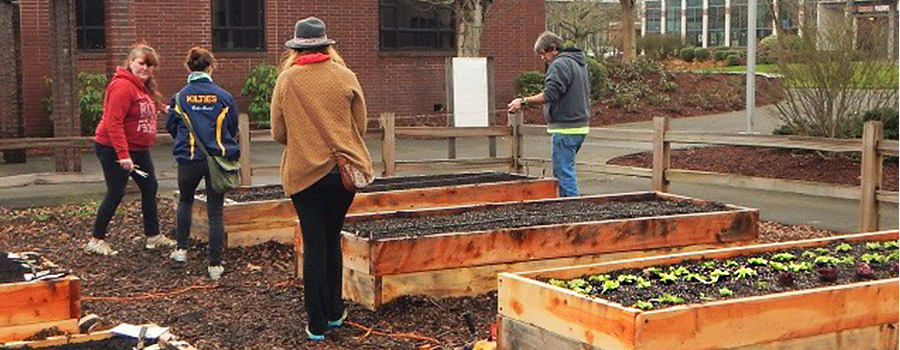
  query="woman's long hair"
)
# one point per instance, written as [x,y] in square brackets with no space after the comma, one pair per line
[151,59]
[290,55]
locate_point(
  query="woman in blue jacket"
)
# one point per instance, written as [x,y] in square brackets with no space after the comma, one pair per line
[214,116]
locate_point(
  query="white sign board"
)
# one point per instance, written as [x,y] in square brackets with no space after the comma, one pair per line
[470,91]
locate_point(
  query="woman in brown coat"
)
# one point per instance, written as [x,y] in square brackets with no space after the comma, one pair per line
[318,111]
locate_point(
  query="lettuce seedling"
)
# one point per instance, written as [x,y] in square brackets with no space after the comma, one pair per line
[847,260]
[778,266]
[558,283]
[808,254]
[627,279]
[669,299]
[873,246]
[892,244]
[643,305]
[869,258]
[894,255]
[715,275]
[709,264]
[827,274]
[744,272]
[642,283]
[609,285]
[843,247]
[822,251]
[730,263]
[725,292]
[826,260]
[705,297]
[666,277]
[865,271]
[580,286]
[678,271]
[783,257]
[696,277]
[785,278]
[757,262]
[762,284]
[651,272]
[801,266]
[598,278]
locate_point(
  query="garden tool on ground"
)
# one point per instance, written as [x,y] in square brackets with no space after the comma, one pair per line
[141,335]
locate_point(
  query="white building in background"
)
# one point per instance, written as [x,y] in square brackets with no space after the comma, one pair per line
[710,23]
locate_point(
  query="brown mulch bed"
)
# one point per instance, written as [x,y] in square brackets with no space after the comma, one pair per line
[697,94]
[256,305]
[765,162]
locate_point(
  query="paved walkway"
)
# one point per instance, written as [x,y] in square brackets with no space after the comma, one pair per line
[835,214]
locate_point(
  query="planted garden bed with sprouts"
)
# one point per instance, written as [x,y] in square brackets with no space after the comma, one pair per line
[833,293]
[256,214]
[36,294]
[458,251]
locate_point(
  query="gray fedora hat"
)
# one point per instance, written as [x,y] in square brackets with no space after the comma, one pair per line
[309,33]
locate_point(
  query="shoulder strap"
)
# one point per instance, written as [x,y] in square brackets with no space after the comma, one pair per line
[187,121]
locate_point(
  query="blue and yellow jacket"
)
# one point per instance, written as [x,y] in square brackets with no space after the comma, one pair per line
[214,116]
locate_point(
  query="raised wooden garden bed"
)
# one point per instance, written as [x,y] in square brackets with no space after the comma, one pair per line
[103,340]
[261,213]
[859,314]
[458,251]
[28,307]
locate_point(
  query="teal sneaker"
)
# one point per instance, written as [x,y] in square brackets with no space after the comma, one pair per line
[340,321]
[313,337]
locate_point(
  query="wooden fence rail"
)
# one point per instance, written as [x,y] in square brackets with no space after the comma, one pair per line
[872,146]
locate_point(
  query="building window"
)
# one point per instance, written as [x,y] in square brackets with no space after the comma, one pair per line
[673,16]
[694,23]
[654,15]
[763,20]
[237,25]
[90,25]
[415,25]
[716,23]
[738,23]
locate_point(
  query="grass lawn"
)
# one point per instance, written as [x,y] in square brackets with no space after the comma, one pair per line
[760,68]
[886,79]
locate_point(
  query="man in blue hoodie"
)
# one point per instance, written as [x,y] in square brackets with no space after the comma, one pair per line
[566,100]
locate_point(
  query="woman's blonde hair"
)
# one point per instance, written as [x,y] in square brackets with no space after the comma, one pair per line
[151,59]
[290,55]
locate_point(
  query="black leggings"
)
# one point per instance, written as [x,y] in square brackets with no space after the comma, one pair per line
[116,181]
[321,209]
[189,176]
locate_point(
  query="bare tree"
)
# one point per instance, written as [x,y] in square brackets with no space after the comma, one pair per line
[470,15]
[579,20]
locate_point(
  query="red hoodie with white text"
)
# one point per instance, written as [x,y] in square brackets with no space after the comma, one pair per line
[129,115]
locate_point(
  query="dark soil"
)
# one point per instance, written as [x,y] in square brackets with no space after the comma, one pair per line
[388,184]
[697,94]
[768,280]
[256,305]
[522,215]
[115,343]
[766,162]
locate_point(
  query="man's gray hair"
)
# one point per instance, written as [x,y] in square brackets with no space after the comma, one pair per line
[548,41]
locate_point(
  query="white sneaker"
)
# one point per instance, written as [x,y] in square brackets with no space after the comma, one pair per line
[99,246]
[159,240]
[215,272]
[179,255]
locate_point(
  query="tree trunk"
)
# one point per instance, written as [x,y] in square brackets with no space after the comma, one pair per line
[628,40]
[470,19]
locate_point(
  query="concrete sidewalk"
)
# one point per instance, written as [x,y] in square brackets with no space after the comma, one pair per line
[828,213]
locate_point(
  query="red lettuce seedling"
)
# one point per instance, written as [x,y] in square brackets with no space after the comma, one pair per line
[865,271]
[785,278]
[827,274]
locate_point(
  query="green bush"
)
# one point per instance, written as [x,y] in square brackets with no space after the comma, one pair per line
[529,83]
[258,85]
[721,48]
[91,89]
[887,116]
[686,54]
[720,55]
[660,46]
[701,54]
[733,60]
[599,77]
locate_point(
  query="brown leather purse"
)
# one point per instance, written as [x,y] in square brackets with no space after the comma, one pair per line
[352,178]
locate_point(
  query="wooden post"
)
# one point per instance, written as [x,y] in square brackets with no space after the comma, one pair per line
[244,140]
[388,145]
[514,120]
[63,56]
[870,176]
[11,122]
[660,154]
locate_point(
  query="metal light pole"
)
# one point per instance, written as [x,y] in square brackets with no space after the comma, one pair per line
[751,63]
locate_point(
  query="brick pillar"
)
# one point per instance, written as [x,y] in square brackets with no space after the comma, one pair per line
[66,113]
[10,80]
[121,32]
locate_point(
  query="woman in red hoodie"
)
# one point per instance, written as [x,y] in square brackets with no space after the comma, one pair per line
[122,141]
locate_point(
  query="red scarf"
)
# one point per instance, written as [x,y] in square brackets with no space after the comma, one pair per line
[311,58]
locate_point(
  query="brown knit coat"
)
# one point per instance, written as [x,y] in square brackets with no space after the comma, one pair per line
[328,94]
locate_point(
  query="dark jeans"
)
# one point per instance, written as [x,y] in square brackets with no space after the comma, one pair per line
[321,209]
[116,180]
[189,176]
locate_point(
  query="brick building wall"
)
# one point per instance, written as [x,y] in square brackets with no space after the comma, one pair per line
[405,83]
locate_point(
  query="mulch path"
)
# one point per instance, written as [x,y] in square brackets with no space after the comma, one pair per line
[697,94]
[766,162]
[256,305]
